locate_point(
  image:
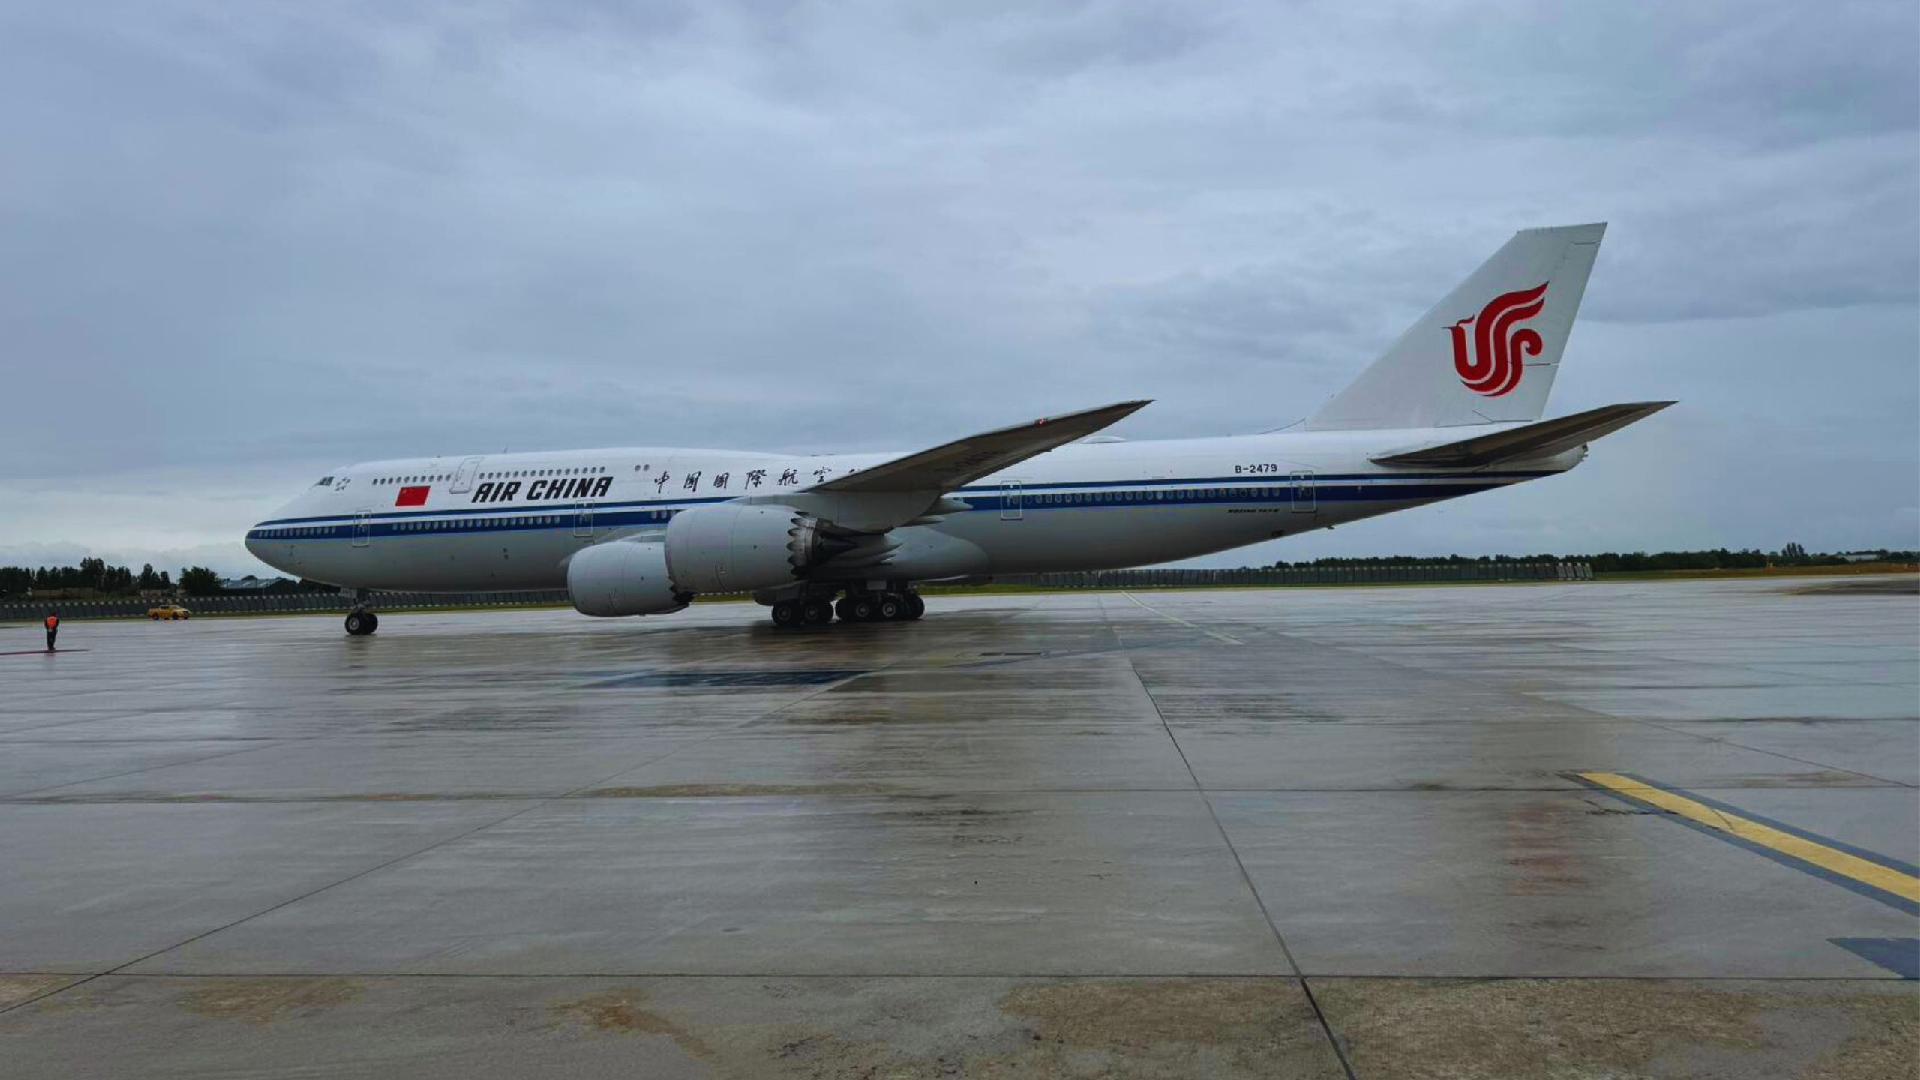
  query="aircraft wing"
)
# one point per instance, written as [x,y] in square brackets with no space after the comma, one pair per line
[962,461]
[1538,439]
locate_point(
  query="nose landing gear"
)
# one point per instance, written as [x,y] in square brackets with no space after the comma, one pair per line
[360,621]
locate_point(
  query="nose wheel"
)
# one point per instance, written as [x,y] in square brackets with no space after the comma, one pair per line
[362,623]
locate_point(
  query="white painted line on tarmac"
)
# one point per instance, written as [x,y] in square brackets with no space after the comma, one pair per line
[1214,634]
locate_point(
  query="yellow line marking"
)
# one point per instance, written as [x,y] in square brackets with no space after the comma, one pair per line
[1216,635]
[1864,871]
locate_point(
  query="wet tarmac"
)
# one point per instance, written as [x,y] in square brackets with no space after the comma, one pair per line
[1602,829]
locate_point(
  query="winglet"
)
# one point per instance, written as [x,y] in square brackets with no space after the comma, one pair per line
[962,461]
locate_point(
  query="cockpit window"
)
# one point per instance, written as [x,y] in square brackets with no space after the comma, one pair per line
[325,481]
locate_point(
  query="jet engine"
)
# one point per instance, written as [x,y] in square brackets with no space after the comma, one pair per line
[623,578]
[736,547]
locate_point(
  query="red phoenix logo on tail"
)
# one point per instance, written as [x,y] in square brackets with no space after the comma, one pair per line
[1500,345]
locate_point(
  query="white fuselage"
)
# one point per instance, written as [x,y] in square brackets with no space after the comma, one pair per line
[512,521]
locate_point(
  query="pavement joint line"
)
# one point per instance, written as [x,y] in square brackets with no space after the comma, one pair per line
[1736,665]
[1238,976]
[43,652]
[145,768]
[1897,886]
[575,795]
[1663,726]
[115,714]
[1380,657]
[534,804]
[1216,635]
[1306,989]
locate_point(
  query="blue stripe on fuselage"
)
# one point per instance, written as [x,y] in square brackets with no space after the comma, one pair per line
[1033,500]
[1319,483]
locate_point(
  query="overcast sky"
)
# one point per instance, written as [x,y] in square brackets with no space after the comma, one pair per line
[243,243]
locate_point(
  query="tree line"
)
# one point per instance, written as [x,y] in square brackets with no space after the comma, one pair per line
[96,576]
[1616,562]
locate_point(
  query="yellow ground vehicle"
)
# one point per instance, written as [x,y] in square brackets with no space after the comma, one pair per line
[168,611]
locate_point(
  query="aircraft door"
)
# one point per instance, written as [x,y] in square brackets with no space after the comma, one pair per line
[1303,492]
[363,528]
[583,521]
[1012,503]
[463,476]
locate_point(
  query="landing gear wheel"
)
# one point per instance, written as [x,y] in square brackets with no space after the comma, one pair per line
[890,608]
[916,607]
[786,613]
[861,608]
[816,613]
[362,623]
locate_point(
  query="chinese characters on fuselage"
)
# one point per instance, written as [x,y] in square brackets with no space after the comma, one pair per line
[597,487]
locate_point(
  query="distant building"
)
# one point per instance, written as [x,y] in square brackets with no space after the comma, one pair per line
[1863,556]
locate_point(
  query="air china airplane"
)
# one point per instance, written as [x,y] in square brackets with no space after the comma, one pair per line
[1452,408]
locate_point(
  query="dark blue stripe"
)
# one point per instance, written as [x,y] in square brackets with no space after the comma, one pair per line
[1887,861]
[1281,478]
[1898,955]
[1319,484]
[1892,900]
[453,522]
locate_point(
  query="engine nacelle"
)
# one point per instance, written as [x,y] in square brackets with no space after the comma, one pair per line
[736,547]
[623,578]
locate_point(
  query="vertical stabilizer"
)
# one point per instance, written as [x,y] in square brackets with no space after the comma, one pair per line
[1485,354]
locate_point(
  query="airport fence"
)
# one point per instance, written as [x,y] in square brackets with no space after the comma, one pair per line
[296,602]
[1377,574]
[274,603]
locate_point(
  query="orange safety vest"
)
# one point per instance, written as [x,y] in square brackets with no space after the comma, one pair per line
[53,622]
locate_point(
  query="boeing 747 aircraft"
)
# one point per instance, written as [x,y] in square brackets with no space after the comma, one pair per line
[1452,408]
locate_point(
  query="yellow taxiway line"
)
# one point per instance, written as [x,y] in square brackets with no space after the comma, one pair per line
[1800,848]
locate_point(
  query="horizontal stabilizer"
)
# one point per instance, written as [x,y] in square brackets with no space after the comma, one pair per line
[963,461]
[1542,438]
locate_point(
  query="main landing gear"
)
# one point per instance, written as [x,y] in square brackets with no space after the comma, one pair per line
[855,607]
[360,621]
[813,612]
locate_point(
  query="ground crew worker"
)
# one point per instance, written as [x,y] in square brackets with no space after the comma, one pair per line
[53,628]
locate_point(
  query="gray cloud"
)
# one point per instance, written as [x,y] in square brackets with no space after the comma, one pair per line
[286,237]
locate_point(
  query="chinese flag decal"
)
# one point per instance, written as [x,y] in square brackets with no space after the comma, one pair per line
[413,496]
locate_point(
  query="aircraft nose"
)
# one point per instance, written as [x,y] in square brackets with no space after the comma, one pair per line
[260,549]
